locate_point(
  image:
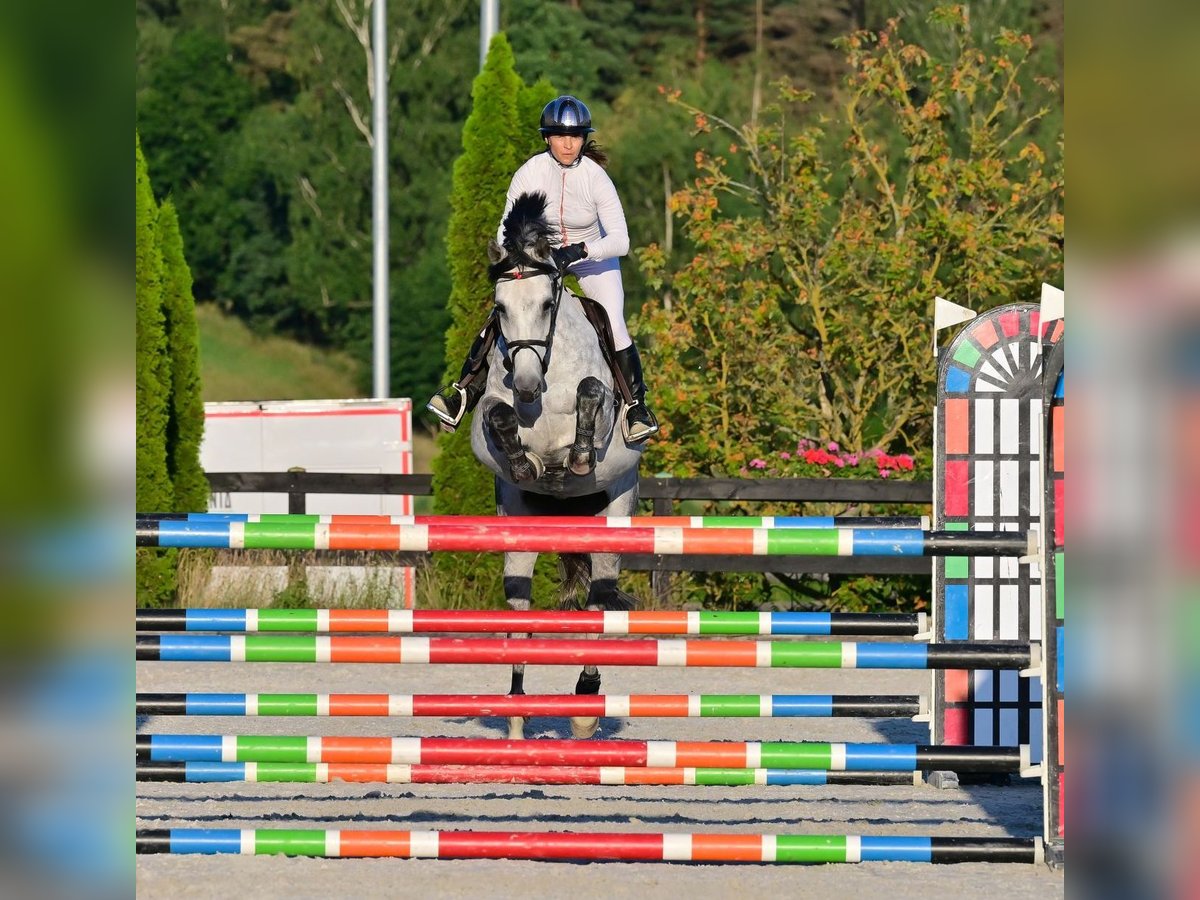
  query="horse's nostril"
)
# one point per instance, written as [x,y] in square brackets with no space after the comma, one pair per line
[528,396]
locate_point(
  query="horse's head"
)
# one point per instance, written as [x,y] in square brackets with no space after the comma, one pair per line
[528,290]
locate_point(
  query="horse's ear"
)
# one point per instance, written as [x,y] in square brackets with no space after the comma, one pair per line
[495,254]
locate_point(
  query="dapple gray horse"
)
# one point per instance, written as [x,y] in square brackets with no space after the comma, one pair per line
[548,423]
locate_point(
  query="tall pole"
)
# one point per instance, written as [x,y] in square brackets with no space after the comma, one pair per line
[489,24]
[381,381]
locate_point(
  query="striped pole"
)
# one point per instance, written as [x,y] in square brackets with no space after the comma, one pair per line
[157,748]
[611,622]
[382,773]
[701,706]
[542,521]
[572,651]
[499,536]
[712,848]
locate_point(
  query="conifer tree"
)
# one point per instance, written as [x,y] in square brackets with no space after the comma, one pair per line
[153,491]
[495,142]
[185,420]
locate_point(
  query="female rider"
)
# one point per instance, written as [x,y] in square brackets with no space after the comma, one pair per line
[587,218]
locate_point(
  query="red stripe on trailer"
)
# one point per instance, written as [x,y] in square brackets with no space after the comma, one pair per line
[549,845]
[358,620]
[364,537]
[358,704]
[364,650]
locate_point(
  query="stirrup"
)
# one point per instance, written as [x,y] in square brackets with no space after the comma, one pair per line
[448,419]
[639,431]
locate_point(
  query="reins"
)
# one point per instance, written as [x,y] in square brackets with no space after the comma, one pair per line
[519,264]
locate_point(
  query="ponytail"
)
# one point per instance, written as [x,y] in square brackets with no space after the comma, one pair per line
[596,153]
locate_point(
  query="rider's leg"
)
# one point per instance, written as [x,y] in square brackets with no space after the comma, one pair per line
[452,402]
[605,288]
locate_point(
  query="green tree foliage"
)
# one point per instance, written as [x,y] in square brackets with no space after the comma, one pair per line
[810,316]
[495,142]
[185,422]
[153,491]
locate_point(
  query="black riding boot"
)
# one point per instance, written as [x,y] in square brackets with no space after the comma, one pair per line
[640,423]
[454,401]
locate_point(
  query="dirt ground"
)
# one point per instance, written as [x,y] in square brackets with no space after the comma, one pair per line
[1013,810]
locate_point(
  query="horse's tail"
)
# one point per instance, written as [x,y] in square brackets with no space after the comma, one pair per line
[576,574]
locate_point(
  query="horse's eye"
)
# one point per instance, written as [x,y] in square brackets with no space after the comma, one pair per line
[500,308]
[547,306]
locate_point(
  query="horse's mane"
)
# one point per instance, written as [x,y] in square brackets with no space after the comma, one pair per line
[525,227]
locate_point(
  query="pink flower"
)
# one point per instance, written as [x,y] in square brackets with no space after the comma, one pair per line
[832,447]
[884,473]
[758,463]
[852,459]
[785,455]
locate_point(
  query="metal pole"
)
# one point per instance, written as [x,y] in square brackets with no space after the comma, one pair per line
[379,213]
[489,24]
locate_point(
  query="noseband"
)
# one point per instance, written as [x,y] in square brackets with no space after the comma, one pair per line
[527,267]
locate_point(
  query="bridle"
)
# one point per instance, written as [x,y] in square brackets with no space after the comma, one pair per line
[523,266]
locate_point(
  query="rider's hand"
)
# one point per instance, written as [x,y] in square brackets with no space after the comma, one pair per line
[571,253]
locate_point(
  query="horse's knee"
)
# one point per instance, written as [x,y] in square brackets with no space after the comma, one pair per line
[588,397]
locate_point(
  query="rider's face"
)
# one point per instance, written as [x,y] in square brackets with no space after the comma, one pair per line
[565,147]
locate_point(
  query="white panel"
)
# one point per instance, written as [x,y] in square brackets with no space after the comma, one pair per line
[1010,424]
[1010,487]
[1036,726]
[984,625]
[983,727]
[984,430]
[1010,612]
[1009,723]
[982,488]
[984,685]
[1035,489]
[1036,614]
[1009,686]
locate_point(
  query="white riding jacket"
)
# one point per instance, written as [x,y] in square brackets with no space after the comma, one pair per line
[582,205]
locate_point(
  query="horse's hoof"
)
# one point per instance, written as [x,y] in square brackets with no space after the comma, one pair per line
[516,728]
[581,464]
[584,728]
[526,468]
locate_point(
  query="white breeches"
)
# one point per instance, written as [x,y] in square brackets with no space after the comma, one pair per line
[602,282]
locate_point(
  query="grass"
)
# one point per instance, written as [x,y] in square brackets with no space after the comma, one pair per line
[237,364]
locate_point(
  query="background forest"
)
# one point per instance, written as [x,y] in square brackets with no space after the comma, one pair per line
[254,117]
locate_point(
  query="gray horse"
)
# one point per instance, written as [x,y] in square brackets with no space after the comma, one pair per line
[548,423]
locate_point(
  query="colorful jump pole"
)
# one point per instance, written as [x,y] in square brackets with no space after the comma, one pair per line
[325,773]
[643,847]
[542,521]
[156,748]
[583,705]
[572,651]
[612,622]
[499,536]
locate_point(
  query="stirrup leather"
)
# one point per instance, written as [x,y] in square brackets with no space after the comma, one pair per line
[447,419]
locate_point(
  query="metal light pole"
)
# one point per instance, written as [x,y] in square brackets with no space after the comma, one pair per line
[381,381]
[489,23]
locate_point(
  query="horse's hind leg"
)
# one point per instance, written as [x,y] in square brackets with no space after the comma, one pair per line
[588,397]
[518,591]
[502,426]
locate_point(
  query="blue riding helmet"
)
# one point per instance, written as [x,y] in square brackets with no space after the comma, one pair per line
[566,115]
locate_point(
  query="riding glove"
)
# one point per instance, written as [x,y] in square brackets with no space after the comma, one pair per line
[571,253]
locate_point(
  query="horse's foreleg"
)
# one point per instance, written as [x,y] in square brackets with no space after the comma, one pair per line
[518,592]
[502,427]
[588,397]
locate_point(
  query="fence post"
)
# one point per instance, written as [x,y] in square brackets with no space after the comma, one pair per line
[660,581]
[296,495]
